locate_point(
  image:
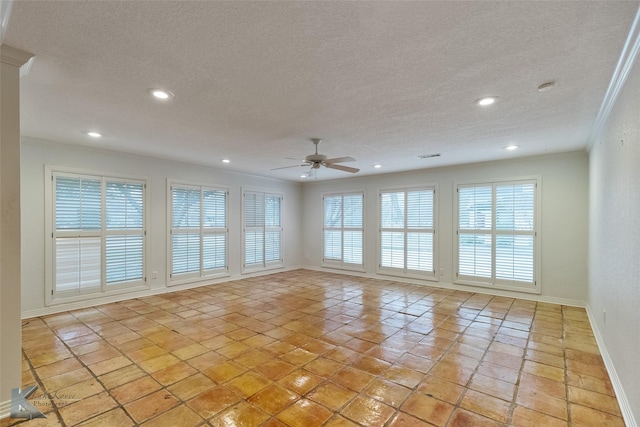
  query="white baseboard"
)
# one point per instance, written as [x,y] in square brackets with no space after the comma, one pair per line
[60,308]
[625,407]
[457,287]
[5,409]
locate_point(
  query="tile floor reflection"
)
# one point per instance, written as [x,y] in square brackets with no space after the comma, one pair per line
[308,349]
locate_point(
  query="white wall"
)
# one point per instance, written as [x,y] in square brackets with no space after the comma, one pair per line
[614,246]
[36,154]
[564,223]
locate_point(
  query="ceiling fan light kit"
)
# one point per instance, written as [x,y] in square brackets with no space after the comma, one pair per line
[316,160]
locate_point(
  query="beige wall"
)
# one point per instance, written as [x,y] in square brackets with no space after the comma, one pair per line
[37,154]
[564,192]
[10,327]
[614,245]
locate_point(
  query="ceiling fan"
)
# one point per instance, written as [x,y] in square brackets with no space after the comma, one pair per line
[316,160]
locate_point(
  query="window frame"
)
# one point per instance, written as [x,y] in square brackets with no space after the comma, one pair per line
[492,282]
[263,265]
[54,296]
[202,273]
[340,263]
[405,230]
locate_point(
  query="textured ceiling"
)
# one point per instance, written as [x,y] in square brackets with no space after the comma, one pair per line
[383,82]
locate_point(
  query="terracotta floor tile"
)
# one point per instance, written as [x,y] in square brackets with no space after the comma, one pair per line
[151,405]
[58,368]
[525,417]
[538,400]
[403,376]
[298,356]
[388,392]
[462,417]
[206,360]
[225,371]
[351,378]
[121,376]
[588,417]
[87,408]
[324,367]
[81,390]
[339,421]
[301,381]
[158,363]
[273,398]
[304,348]
[248,384]
[109,365]
[545,371]
[182,416]
[491,386]
[275,369]
[440,389]
[115,417]
[451,372]
[173,373]
[402,419]
[213,401]
[428,409]
[67,379]
[191,386]
[368,411]
[331,395]
[590,383]
[591,399]
[304,413]
[134,390]
[486,405]
[533,383]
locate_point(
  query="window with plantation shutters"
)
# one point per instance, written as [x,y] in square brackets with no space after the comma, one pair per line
[407,229]
[198,233]
[262,231]
[98,234]
[496,236]
[343,230]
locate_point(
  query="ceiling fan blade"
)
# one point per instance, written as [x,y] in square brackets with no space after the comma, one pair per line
[340,160]
[294,166]
[342,168]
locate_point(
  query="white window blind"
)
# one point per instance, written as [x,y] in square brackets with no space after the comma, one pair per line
[407,228]
[198,231]
[98,233]
[497,233]
[343,229]
[262,231]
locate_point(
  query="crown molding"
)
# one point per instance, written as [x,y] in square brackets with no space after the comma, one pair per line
[620,74]
[12,56]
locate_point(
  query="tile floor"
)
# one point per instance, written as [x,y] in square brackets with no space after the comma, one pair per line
[308,349]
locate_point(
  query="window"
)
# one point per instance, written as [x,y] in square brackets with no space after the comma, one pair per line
[343,232]
[198,233]
[98,234]
[497,234]
[407,231]
[262,230]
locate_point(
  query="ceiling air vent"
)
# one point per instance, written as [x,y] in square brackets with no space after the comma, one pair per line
[428,156]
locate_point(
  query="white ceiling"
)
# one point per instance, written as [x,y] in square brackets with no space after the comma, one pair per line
[383,82]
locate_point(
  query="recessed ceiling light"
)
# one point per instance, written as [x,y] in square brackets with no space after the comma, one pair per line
[160,94]
[226,161]
[546,86]
[377,166]
[303,176]
[94,134]
[511,147]
[486,101]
